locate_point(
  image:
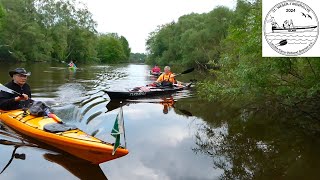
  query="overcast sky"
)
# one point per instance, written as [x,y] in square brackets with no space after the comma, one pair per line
[135,19]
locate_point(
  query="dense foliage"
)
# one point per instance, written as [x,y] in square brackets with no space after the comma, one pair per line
[112,48]
[46,30]
[137,57]
[194,39]
[232,40]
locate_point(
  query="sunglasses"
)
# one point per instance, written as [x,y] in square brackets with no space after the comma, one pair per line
[21,75]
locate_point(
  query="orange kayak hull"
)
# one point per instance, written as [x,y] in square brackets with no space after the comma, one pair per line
[75,142]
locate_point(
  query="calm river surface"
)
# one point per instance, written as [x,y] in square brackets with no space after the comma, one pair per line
[182,139]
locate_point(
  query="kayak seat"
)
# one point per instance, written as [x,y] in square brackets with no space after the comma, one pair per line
[58,127]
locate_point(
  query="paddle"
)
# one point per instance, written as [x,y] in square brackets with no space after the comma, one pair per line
[185,72]
[48,113]
[282,43]
[5,89]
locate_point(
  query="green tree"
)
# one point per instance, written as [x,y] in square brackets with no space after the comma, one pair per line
[45,30]
[125,47]
[137,57]
[247,77]
[110,49]
[194,39]
[232,40]
[21,33]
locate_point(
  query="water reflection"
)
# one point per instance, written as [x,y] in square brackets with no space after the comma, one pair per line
[167,104]
[167,101]
[71,75]
[14,155]
[169,137]
[16,145]
[254,144]
[160,143]
[79,168]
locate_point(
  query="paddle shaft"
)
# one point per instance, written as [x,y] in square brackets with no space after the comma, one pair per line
[185,72]
[8,90]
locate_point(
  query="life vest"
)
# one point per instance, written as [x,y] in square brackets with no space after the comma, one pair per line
[166,78]
[156,69]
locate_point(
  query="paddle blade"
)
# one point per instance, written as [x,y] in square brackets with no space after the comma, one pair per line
[187,71]
[283,42]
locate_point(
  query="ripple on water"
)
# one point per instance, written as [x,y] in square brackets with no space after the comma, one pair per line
[69,93]
[155,139]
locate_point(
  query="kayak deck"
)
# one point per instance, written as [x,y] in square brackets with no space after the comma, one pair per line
[143,92]
[75,142]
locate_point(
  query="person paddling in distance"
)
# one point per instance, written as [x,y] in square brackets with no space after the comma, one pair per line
[72,64]
[156,69]
[19,84]
[167,78]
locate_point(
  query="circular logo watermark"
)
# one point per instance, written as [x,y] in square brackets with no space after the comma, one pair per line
[291,28]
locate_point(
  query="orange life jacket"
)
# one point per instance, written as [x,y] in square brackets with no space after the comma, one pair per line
[166,78]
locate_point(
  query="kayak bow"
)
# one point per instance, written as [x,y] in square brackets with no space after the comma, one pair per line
[145,91]
[71,140]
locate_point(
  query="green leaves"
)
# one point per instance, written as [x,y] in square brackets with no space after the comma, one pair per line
[45,30]
[137,57]
[247,77]
[194,39]
[232,40]
[111,48]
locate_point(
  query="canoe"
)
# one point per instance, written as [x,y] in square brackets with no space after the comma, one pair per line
[294,29]
[145,91]
[157,74]
[71,140]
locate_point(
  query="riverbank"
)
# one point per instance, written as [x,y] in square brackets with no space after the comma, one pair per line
[223,139]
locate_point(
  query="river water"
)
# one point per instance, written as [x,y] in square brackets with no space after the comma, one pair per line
[171,137]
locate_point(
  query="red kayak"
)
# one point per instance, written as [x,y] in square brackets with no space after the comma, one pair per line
[157,74]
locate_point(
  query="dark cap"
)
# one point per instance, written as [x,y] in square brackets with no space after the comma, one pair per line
[19,71]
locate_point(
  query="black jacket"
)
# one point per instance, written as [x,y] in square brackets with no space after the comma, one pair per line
[7,100]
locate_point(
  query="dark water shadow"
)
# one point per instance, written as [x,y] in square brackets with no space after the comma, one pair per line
[78,167]
[167,101]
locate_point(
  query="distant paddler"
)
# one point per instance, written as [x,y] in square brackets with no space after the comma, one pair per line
[72,65]
[156,69]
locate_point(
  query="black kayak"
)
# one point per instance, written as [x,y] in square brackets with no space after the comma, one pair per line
[145,91]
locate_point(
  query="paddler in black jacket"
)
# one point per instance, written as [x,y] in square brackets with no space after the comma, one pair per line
[12,101]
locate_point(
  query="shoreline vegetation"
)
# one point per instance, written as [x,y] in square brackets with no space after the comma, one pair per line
[225,44]
[228,45]
[56,30]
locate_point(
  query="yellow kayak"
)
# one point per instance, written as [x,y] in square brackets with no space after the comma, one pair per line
[67,138]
